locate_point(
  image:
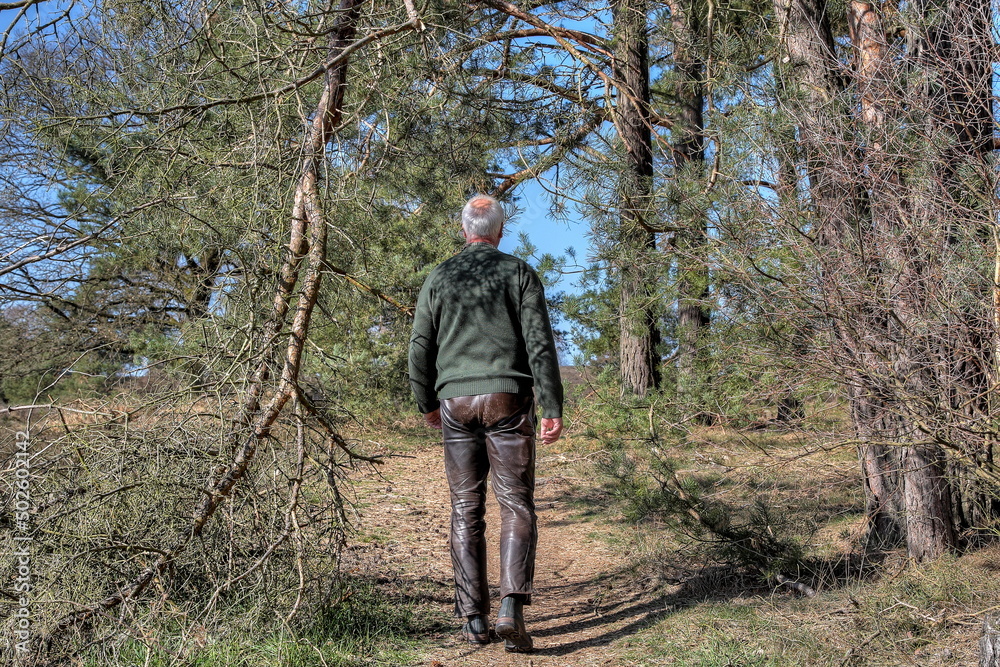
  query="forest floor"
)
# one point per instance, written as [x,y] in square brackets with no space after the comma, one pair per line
[617,592]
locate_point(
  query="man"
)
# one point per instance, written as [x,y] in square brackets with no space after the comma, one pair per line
[481,341]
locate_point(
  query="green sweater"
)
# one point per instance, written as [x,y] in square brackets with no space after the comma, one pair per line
[481,327]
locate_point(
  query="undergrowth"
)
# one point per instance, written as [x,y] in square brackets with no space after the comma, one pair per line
[648,486]
[716,515]
[367,624]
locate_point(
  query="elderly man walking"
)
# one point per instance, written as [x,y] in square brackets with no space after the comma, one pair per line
[481,342]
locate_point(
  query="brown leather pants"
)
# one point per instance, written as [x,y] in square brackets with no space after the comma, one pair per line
[482,433]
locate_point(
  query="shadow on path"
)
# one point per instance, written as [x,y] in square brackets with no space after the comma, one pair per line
[637,616]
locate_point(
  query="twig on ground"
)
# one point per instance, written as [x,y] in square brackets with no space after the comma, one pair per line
[800,587]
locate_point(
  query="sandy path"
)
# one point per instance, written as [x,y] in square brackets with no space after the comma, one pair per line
[580,613]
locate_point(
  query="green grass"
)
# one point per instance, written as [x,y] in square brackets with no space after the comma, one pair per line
[368,627]
[726,634]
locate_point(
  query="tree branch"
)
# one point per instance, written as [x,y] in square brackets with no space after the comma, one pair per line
[341,57]
[550,159]
[19,4]
[406,310]
[67,246]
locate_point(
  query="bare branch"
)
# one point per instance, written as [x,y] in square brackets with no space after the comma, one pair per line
[65,247]
[550,159]
[20,4]
[341,57]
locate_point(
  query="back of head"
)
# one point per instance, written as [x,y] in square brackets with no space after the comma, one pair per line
[483,217]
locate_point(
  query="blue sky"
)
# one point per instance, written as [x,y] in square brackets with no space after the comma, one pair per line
[550,235]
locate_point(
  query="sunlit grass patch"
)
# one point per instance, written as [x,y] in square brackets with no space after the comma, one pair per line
[722,634]
[369,624]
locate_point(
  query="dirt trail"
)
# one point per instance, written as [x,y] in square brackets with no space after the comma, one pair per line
[581,614]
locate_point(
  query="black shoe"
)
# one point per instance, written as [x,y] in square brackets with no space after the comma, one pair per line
[510,626]
[476,631]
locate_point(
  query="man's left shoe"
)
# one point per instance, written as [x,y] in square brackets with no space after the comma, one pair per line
[510,626]
[476,631]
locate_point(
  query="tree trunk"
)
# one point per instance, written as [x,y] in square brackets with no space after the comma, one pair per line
[205,272]
[790,409]
[930,362]
[874,419]
[952,370]
[966,63]
[849,223]
[688,150]
[903,482]
[811,82]
[929,531]
[639,330]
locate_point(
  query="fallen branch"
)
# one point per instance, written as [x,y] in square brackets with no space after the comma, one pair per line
[808,591]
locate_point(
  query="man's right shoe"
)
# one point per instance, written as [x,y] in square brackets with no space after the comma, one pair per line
[510,626]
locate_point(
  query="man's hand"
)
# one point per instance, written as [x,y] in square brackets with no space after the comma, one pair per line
[434,419]
[551,429]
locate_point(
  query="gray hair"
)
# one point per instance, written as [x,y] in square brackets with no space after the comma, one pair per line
[483,216]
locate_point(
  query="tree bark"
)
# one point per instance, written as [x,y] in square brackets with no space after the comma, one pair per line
[881,466]
[639,329]
[929,531]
